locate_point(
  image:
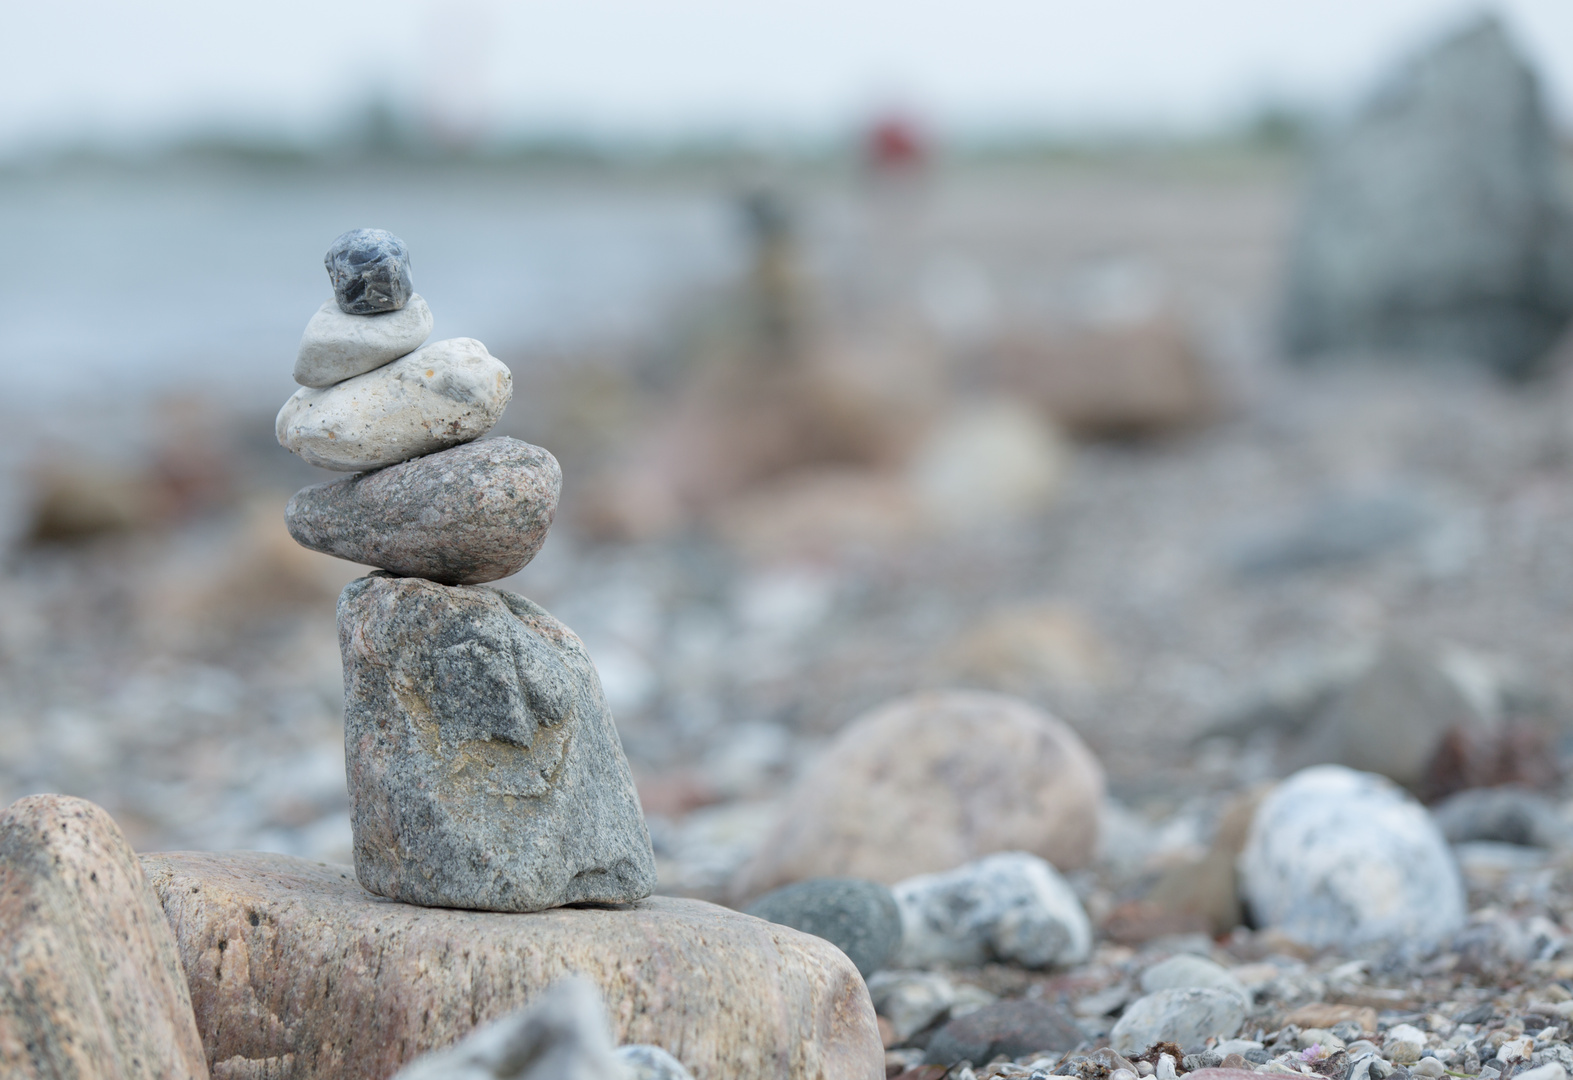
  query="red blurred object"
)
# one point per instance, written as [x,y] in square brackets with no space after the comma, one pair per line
[896,144]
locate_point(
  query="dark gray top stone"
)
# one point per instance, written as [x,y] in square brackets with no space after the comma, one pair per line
[858,917]
[370,271]
[463,516]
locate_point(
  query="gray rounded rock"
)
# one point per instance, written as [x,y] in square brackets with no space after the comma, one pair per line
[1013,1028]
[370,271]
[1184,971]
[858,917]
[651,1063]
[1188,1017]
[337,346]
[475,513]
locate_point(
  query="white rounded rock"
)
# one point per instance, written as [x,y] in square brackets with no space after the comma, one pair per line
[1185,971]
[441,395]
[1188,1016]
[337,346]
[1339,857]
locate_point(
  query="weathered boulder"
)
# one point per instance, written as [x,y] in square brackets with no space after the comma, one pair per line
[92,985]
[440,395]
[1437,222]
[729,995]
[463,516]
[337,346]
[484,768]
[1342,858]
[560,1036]
[931,781]
[858,917]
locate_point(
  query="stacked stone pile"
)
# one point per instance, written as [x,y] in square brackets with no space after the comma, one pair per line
[484,769]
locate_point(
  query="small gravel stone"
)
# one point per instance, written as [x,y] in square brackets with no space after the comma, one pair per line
[337,346]
[858,917]
[464,516]
[370,271]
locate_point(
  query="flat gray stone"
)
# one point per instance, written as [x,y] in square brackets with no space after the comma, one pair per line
[484,768]
[858,917]
[1436,223]
[1187,1017]
[440,395]
[475,513]
[337,346]
[370,271]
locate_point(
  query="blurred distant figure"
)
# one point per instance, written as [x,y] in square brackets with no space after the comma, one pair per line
[775,300]
[1436,224]
[895,144]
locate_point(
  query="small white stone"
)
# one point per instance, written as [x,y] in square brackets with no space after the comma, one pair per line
[1428,1066]
[1551,1070]
[1185,970]
[1165,1070]
[441,395]
[337,346]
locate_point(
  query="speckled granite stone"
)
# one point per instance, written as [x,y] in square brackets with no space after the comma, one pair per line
[440,395]
[484,768]
[475,513]
[337,346]
[370,271]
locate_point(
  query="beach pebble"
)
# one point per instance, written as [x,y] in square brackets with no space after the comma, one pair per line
[651,1063]
[1013,1028]
[370,271]
[337,346]
[441,395]
[1186,1017]
[858,917]
[910,1000]
[474,513]
[1342,858]
[1186,970]
[1012,908]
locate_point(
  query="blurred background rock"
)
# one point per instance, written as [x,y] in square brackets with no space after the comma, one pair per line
[981,383]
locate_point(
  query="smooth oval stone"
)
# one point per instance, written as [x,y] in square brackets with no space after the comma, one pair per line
[440,395]
[337,346]
[858,917]
[478,512]
[370,271]
[1188,1016]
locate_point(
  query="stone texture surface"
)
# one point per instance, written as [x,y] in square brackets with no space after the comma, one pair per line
[1011,908]
[337,346]
[651,1063]
[440,395]
[910,1000]
[1015,1028]
[1185,971]
[1187,1017]
[370,271]
[858,917]
[926,783]
[1342,858]
[1437,221]
[731,996]
[484,767]
[474,513]
[560,1036]
[92,985]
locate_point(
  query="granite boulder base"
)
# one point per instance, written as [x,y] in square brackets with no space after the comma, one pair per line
[475,513]
[484,768]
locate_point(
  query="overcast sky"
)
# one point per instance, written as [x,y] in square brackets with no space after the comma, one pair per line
[125,72]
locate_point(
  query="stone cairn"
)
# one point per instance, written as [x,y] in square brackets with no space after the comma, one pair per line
[484,769]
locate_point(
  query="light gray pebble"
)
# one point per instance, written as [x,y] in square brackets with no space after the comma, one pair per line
[337,346]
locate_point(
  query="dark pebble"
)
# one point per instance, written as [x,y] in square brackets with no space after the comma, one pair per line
[858,917]
[370,271]
[1013,1028]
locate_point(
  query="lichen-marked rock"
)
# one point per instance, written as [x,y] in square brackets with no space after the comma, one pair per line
[1342,858]
[858,917]
[484,768]
[475,513]
[383,982]
[927,782]
[90,982]
[440,395]
[1187,1017]
[369,270]
[337,346]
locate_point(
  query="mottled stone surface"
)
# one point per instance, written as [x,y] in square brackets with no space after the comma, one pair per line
[651,1063]
[370,271]
[858,917]
[1009,908]
[731,996]
[463,516]
[561,1036]
[928,782]
[92,986]
[1014,1028]
[441,395]
[1187,1017]
[1185,971]
[337,346]
[484,768]
[1339,858]
[1437,222]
